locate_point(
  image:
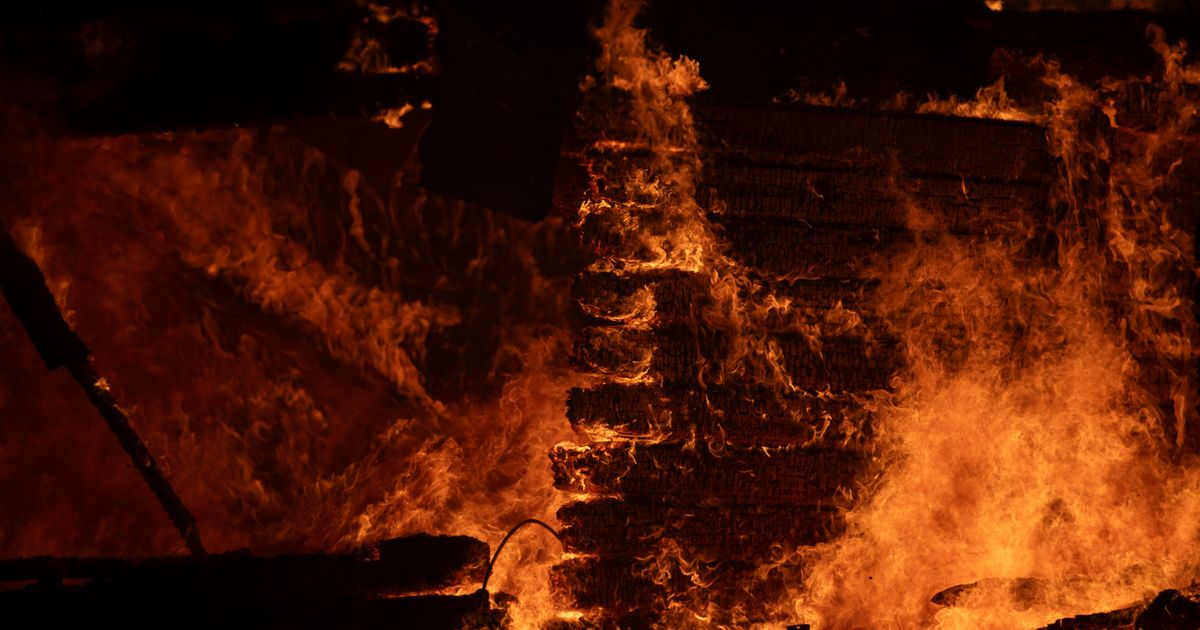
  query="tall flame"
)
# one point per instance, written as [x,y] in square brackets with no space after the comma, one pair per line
[1026,454]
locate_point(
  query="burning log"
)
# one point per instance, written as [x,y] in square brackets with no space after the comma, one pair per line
[1169,610]
[798,202]
[827,251]
[740,415]
[613,528]
[639,593]
[673,298]
[725,475]
[779,250]
[389,580]
[800,137]
[1024,592]
[838,363]
[747,189]
[803,198]
[613,586]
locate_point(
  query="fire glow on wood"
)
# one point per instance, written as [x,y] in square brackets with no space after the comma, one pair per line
[833,358]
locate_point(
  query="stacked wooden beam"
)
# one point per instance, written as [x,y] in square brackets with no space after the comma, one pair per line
[704,491]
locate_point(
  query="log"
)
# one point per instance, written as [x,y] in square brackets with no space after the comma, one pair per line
[387,568]
[679,358]
[103,606]
[612,585]
[776,250]
[791,251]
[743,189]
[973,149]
[612,528]
[686,476]
[735,592]
[744,416]
[1171,609]
[681,298]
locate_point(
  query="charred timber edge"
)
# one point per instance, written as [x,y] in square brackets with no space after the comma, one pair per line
[24,287]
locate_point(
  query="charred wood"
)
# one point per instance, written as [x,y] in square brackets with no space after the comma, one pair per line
[973,149]
[674,298]
[679,359]
[674,585]
[75,607]
[697,475]
[361,589]
[395,566]
[612,528]
[1171,609]
[793,251]
[742,189]
[743,416]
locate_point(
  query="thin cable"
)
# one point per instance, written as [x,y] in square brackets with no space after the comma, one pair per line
[528,521]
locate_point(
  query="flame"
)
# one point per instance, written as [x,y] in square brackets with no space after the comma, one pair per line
[989,102]
[1025,451]
[300,373]
[316,363]
[649,233]
[367,54]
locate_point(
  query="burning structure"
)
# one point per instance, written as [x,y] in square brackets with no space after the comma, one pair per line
[827,315]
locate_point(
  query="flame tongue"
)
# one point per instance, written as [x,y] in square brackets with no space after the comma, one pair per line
[1028,448]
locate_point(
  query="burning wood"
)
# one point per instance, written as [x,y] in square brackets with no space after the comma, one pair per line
[768,274]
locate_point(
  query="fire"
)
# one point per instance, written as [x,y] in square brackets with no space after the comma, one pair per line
[653,238]
[293,367]
[1026,450]
[1024,467]
[292,335]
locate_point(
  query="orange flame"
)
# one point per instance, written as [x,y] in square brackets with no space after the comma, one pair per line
[314,362]
[1024,451]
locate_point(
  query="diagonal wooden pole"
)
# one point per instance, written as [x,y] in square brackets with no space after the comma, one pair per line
[24,288]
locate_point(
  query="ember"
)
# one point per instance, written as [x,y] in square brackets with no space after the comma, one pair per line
[610,314]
